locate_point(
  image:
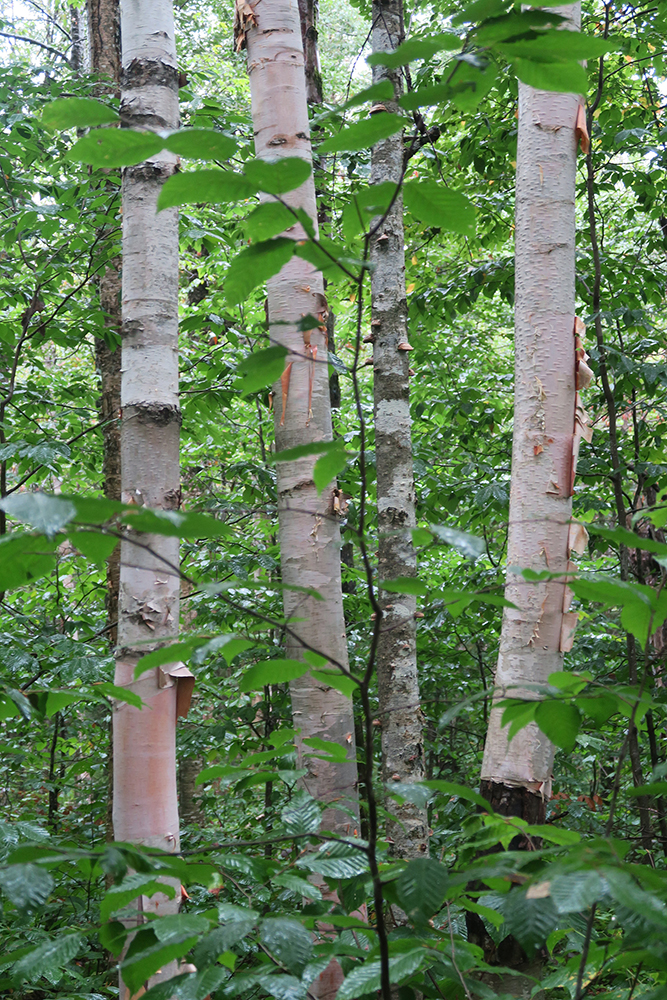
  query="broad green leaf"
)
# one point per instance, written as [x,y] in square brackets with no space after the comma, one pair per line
[516,714]
[364,134]
[113,936]
[365,979]
[261,368]
[433,203]
[557,46]
[302,814]
[575,891]
[57,700]
[77,112]
[200,144]
[566,680]
[299,885]
[655,788]
[46,513]
[415,48]
[410,791]
[451,788]
[119,896]
[479,10]
[204,187]
[330,750]
[288,941]
[192,986]
[27,886]
[623,536]
[175,523]
[514,25]
[329,465]
[469,545]
[115,147]
[625,890]
[147,954]
[47,958]
[569,77]
[197,647]
[600,707]
[220,940]
[339,867]
[560,722]
[336,680]
[24,558]
[421,888]
[553,834]
[302,450]
[180,924]
[279,176]
[270,219]
[332,259]
[271,672]
[382,91]
[531,921]
[93,545]
[405,585]
[254,265]
[364,205]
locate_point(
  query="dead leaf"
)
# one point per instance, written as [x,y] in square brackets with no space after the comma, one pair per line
[581,130]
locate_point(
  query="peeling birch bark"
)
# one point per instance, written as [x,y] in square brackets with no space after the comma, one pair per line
[398,681]
[533,635]
[145,809]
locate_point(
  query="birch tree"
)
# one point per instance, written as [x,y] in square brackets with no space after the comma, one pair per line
[308,525]
[398,682]
[516,775]
[145,806]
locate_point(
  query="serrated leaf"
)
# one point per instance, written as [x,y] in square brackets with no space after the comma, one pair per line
[336,680]
[113,936]
[200,144]
[415,48]
[567,77]
[47,957]
[330,750]
[575,891]
[437,205]
[195,647]
[47,514]
[147,954]
[329,466]
[553,45]
[560,722]
[206,187]
[93,545]
[625,890]
[270,219]
[132,886]
[516,714]
[279,176]
[299,885]
[193,986]
[303,450]
[366,979]
[302,815]
[77,112]
[599,707]
[115,147]
[27,886]
[531,921]
[174,523]
[469,545]
[382,91]
[421,888]
[451,788]
[288,941]
[261,368]
[405,585]
[24,558]
[255,265]
[364,134]
[220,940]
[341,867]
[271,672]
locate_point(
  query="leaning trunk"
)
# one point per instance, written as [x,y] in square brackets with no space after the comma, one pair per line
[398,683]
[145,807]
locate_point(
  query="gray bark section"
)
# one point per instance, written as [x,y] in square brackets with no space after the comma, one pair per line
[398,682]
[544,409]
[309,529]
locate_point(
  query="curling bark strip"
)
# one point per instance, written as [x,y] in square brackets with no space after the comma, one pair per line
[398,681]
[536,633]
[145,808]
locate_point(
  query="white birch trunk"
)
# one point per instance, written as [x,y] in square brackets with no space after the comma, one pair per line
[145,808]
[534,637]
[398,682]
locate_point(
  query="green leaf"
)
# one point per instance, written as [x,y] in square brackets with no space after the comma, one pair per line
[288,941]
[147,954]
[415,48]
[421,888]
[174,523]
[119,896]
[270,219]
[451,788]
[113,936]
[364,134]
[193,986]
[329,465]
[180,925]
[405,585]
[115,147]
[220,940]
[302,450]
[27,886]
[364,205]
[200,144]
[303,814]
[433,203]
[205,187]
[568,77]
[271,672]
[625,890]
[93,545]
[560,722]
[531,921]
[301,886]
[365,979]
[557,46]
[575,891]
[599,707]
[261,368]
[517,714]
[48,957]
[47,514]
[655,788]
[382,91]
[335,867]
[77,112]
[328,257]
[255,265]
[469,545]
[24,558]
[479,10]
[330,750]
[195,647]
[278,176]
[514,25]
[336,680]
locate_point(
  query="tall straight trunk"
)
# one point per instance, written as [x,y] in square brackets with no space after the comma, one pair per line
[516,777]
[145,806]
[308,13]
[76,51]
[398,682]
[309,530]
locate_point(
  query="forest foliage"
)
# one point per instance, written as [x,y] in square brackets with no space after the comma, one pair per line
[586,892]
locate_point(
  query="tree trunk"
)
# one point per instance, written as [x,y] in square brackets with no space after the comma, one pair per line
[145,802]
[308,12]
[398,683]
[533,635]
[76,51]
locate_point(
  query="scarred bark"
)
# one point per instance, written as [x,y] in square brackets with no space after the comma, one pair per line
[308,12]
[398,683]
[535,633]
[145,802]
